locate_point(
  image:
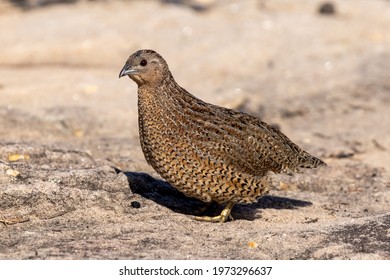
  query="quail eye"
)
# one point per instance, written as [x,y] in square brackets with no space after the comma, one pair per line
[143,62]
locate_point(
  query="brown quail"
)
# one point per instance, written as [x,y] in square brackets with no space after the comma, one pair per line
[203,150]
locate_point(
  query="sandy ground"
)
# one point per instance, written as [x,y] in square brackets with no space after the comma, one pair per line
[73,180]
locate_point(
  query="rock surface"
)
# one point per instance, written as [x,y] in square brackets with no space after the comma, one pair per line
[73,180]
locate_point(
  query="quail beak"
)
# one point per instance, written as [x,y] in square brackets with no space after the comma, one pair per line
[127,71]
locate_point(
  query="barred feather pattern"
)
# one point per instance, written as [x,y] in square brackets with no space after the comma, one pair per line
[206,151]
[210,152]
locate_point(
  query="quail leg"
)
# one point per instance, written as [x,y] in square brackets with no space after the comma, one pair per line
[225,214]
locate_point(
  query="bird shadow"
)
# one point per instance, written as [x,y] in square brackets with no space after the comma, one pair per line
[165,195]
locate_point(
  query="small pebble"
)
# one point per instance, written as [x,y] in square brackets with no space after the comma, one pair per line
[13,172]
[135,204]
[327,8]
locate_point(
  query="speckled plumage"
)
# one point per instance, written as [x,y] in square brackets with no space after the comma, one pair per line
[206,151]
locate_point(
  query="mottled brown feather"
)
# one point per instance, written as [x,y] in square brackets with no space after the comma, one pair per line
[206,151]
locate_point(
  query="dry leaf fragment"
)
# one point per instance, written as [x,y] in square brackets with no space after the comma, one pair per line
[252,244]
[78,133]
[16,157]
